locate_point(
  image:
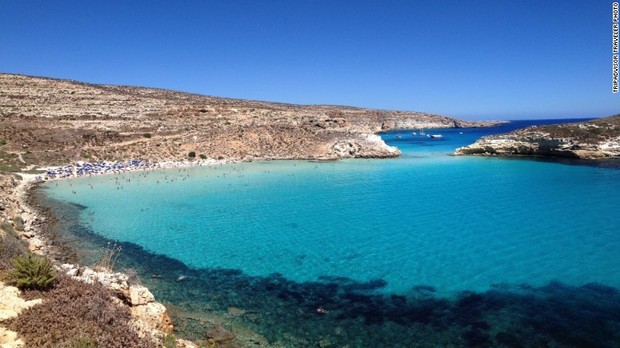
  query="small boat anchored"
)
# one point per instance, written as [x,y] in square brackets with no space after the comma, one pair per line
[435,136]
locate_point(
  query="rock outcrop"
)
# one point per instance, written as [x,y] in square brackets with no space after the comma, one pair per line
[597,139]
[151,316]
[11,304]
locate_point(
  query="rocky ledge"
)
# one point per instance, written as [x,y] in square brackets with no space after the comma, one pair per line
[597,139]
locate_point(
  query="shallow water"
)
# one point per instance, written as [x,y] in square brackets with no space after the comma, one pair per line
[381,244]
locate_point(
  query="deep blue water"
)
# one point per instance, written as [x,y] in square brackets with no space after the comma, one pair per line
[421,249]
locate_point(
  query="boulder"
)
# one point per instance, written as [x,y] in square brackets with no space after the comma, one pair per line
[218,334]
[8,339]
[153,317]
[11,304]
[140,295]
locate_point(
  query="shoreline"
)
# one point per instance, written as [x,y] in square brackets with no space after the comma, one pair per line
[151,316]
[85,168]
[258,312]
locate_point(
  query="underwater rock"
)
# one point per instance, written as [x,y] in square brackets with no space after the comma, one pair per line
[218,334]
[235,312]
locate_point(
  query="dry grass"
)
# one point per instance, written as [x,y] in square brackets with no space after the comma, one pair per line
[110,257]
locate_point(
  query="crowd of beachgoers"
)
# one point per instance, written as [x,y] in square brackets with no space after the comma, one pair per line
[98,168]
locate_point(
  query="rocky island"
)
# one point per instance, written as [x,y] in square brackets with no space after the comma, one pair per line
[596,139]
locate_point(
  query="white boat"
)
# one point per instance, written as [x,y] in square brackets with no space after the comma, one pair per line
[436,136]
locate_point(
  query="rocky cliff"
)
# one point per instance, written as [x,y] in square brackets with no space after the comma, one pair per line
[50,121]
[595,139]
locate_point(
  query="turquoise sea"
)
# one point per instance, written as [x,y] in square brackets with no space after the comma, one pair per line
[421,250]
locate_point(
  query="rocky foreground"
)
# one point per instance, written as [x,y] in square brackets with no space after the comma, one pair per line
[597,139]
[50,121]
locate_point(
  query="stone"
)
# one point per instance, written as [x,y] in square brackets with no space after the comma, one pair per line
[218,334]
[154,316]
[11,304]
[180,343]
[140,295]
[235,312]
[9,339]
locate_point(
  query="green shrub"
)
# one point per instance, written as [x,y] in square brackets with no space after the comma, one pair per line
[203,156]
[19,223]
[83,342]
[32,272]
[7,227]
[146,135]
[170,341]
[191,154]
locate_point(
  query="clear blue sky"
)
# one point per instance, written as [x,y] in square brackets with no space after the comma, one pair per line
[482,59]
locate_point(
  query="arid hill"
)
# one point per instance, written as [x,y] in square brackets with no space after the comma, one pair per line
[586,140]
[51,121]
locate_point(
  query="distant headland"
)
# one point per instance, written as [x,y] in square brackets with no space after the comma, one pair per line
[596,139]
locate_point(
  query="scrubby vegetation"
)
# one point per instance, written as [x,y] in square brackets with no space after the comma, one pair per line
[592,131]
[19,223]
[170,341]
[32,272]
[9,162]
[83,342]
[76,314]
[191,154]
[7,227]
[10,246]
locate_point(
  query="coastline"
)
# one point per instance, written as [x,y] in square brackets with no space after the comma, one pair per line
[317,322]
[151,318]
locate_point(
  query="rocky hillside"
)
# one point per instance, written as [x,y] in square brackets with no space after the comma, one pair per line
[50,121]
[586,140]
